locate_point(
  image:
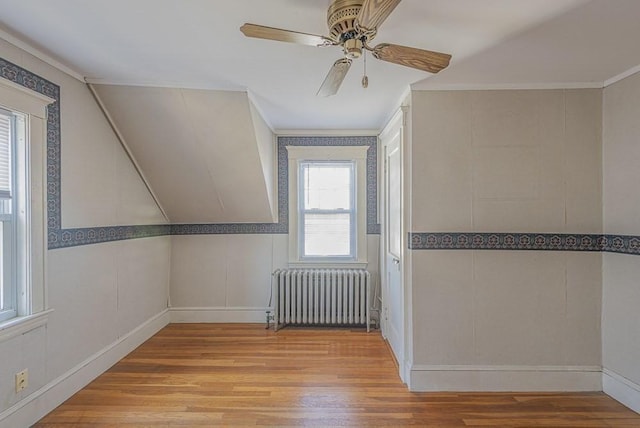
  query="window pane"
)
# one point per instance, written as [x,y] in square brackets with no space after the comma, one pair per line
[5,156]
[327,235]
[327,187]
[3,291]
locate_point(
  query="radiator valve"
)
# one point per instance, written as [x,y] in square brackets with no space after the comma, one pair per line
[270,318]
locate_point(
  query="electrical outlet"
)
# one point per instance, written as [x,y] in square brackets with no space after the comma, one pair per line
[22,380]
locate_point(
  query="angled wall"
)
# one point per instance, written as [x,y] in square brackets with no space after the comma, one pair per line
[205,154]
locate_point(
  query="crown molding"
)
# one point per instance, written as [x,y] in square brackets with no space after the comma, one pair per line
[508,86]
[622,76]
[20,44]
[399,104]
[167,84]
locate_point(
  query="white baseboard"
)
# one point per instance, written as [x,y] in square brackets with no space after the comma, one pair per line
[37,405]
[405,372]
[621,389]
[219,315]
[505,378]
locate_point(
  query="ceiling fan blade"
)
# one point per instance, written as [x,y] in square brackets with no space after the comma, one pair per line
[373,12]
[262,32]
[421,59]
[335,77]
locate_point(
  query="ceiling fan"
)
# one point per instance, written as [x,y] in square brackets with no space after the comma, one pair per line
[352,25]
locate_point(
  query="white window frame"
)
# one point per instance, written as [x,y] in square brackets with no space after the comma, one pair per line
[30,250]
[302,212]
[331,154]
[9,228]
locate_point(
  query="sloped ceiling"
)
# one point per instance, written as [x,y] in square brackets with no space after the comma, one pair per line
[200,151]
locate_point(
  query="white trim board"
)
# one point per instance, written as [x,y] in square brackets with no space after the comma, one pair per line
[621,389]
[326,132]
[237,314]
[21,325]
[505,378]
[34,407]
[177,84]
[622,76]
[399,105]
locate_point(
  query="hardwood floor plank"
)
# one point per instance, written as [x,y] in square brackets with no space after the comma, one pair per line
[244,375]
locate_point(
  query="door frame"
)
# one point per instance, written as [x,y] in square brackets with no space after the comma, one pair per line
[399,119]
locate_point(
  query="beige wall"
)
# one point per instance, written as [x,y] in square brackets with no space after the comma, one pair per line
[218,278]
[184,139]
[101,294]
[506,161]
[621,279]
[212,275]
[100,186]
[265,140]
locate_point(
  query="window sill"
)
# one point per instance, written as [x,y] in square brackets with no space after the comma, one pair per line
[21,325]
[328,265]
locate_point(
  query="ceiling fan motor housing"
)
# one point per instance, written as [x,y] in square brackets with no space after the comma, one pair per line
[341,17]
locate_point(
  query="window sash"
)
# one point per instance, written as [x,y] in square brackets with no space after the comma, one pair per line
[6,138]
[304,212]
[7,310]
[8,216]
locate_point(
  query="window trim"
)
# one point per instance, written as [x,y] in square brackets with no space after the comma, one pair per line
[31,301]
[356,154]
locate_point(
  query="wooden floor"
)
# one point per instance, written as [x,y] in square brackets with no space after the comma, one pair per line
[244,375]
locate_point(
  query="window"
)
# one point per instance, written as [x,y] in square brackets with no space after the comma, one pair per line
[327,211]
[12,201]
[23,128]
[327,206]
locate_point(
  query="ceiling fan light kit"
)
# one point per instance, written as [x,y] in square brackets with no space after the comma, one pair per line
[352,25]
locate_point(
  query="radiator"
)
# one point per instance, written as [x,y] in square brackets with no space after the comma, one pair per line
[321,297]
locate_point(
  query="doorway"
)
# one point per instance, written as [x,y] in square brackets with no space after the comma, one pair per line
[393,296]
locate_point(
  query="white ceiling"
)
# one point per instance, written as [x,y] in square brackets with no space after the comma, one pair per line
[585,47]
[197,44]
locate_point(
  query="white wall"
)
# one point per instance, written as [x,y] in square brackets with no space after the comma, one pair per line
[621,276]
[106,298]
[506,161]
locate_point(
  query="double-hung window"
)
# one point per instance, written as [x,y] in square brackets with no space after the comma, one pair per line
[327,206]
[12,134]
[23,130]
[327,210]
